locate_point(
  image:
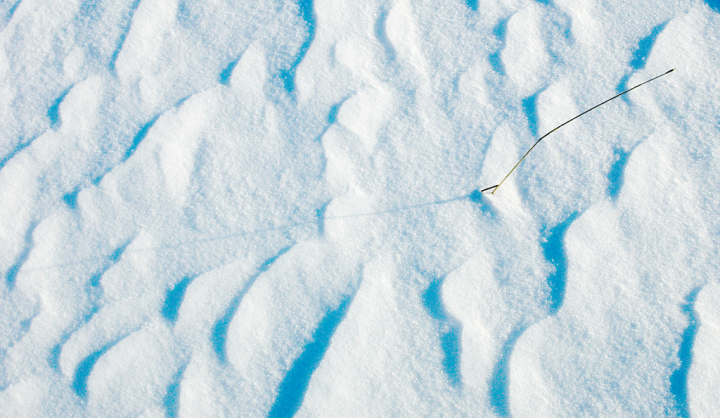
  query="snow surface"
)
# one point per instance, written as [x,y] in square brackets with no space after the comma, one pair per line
[267,208]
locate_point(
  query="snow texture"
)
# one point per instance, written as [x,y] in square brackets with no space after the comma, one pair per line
[273,208]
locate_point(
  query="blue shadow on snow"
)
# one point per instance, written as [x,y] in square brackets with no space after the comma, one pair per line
[79,383]
[381,35]
[137,139]
[334,110]
[615,175]
[644,47]
[288,75]
[640,56]
[13,271]
[320,213]
[293,387]
[172,395]
[499,382]
[529,105]
[54,110]
[450,332]
[21,146]
[126,25]
[714,5]
[11,8]
[70,199]
[678,379]
[174,298]
[225,74]
[477,197]
[332,117]
[94,283]
[54,357]
[218,338]
[554,251]
[494,58]
[142,133]
[112,259]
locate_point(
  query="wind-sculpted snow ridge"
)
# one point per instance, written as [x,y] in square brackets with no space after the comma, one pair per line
[172,395]
[224,77]
[292,389]
[142,133]
[305,9]
[494,58]
[53,111]
[136,140]
[9,11]
[126,24]
[21,146]
[94,295]
[275,208]
[174,298]
[94,288]
[529,105]
[679,378]
[14,269]
[714,5]
[640,56]
[702,379]
[220,329]
[554,251]
[500,377]
[79,382]
[615,175]
[380,29]
[450,332]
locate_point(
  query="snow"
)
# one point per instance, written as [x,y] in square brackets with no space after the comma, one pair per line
[272,208]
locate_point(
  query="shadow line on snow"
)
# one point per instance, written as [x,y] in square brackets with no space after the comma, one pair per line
[449,333]
[172,394]
[218,337]
[380,30]
[499,384]
[174,298]
[639,56]
[94,291]
[499,31]
[714,5]
[9,14]
[127,24]
[85,367]
[291,391]
[554,252]
[308,15]
[678,379]
[475,197]
[11,274]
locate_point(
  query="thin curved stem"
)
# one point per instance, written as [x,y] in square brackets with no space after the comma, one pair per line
[565,123]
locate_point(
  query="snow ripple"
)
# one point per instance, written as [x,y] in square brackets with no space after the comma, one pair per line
[450,332]
[126,24]
[640,56]
[554,250]
[219,330]
[305,8]
[292,389]
[679,378]
[146,238]
[22,257]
